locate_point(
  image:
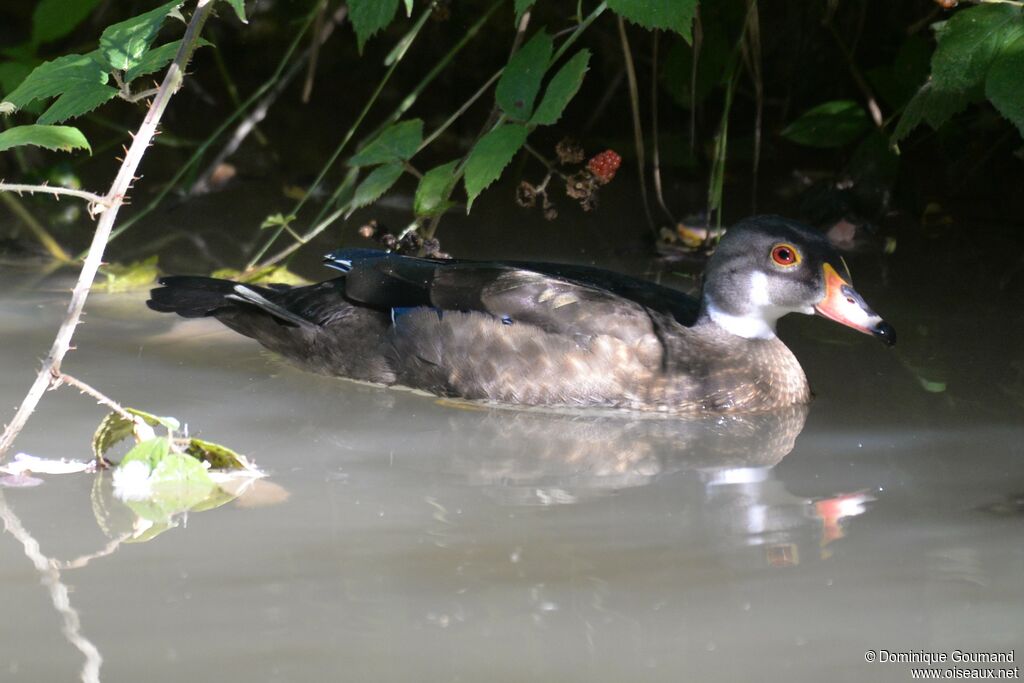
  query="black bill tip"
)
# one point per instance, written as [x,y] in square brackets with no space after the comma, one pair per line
[885,332]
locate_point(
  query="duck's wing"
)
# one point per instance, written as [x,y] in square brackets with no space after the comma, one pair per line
[572,300]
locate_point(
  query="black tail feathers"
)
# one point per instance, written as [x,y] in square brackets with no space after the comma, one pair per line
[191,296]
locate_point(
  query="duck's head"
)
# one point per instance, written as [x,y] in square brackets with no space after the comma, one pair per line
[768,266]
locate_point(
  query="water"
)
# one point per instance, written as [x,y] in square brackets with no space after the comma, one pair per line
[402,538]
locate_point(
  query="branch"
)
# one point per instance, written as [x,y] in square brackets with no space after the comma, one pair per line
[114,199]
[49,576]
[91,197]
[638,131]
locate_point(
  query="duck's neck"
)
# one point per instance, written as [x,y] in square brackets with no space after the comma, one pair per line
[747,326]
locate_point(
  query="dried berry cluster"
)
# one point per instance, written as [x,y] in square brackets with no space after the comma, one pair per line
[408,242]
[582,185]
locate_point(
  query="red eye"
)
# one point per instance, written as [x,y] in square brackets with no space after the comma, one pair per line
[785,255]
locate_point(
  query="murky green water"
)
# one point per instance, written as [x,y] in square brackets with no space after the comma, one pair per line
[416,541]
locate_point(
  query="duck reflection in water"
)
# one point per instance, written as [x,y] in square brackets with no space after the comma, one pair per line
[721,468]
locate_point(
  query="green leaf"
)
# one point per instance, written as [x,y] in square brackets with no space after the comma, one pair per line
[278,220]
[55,19]
[521,7]
[931,105]
[489,157]
[408,8]
[562,88]
[122,45]
[674,15]
[831,124]
[370,16]
[157,58]
[78,82]
[397,142]
[377,183]
[220,457]
[520,81]
[59,138]
[128,277]
[239,7]
[1004,86]
[180,482]
[969,43]
[151,452]
[433,191]
[115,428]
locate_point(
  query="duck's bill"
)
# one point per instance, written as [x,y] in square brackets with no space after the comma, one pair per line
[843,304]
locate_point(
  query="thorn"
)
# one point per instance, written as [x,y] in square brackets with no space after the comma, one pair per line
[125,150]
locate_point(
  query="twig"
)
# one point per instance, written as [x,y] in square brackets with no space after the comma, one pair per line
[751,52]
[49,576]
[259,112]
[44,237]
[57,192]
[460,111]
[638,132]
[862,84]
[114,199]
[655,151]
[59,378]
[345,140]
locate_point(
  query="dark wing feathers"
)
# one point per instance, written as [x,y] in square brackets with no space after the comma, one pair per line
[558,298]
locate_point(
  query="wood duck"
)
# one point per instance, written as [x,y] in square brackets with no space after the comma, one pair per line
[541,334]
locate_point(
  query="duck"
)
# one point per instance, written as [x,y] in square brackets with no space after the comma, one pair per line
[549,334]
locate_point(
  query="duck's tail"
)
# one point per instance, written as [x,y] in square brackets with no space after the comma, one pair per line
[314,326]
[199,297]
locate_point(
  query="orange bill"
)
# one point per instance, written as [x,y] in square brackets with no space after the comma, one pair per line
[844,305]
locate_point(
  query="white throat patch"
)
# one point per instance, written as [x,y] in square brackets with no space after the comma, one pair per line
[759,321]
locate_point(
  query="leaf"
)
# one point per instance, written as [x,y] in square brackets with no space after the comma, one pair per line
[239,7]
[220,457]
[1004,86]
[122,45]
[278,220]
[157,58]
[127,277]
[830,124]
[521,7]
[262,276]
[150,452]
[397,142]
[562,88]
[432,193]
[59,138]
[969,43]
[370,16]
[179,482]
[408,8]
[53,19]
[520,81]
[78,80]
[674,15]
[489,157]
[931,105]
[115,428]
[377,183]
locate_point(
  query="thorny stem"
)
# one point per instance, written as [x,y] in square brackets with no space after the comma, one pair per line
[91,197]
[114,199]
[49,576]
[60,378]
[201,149]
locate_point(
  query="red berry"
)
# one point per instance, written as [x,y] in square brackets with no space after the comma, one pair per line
[604,165]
